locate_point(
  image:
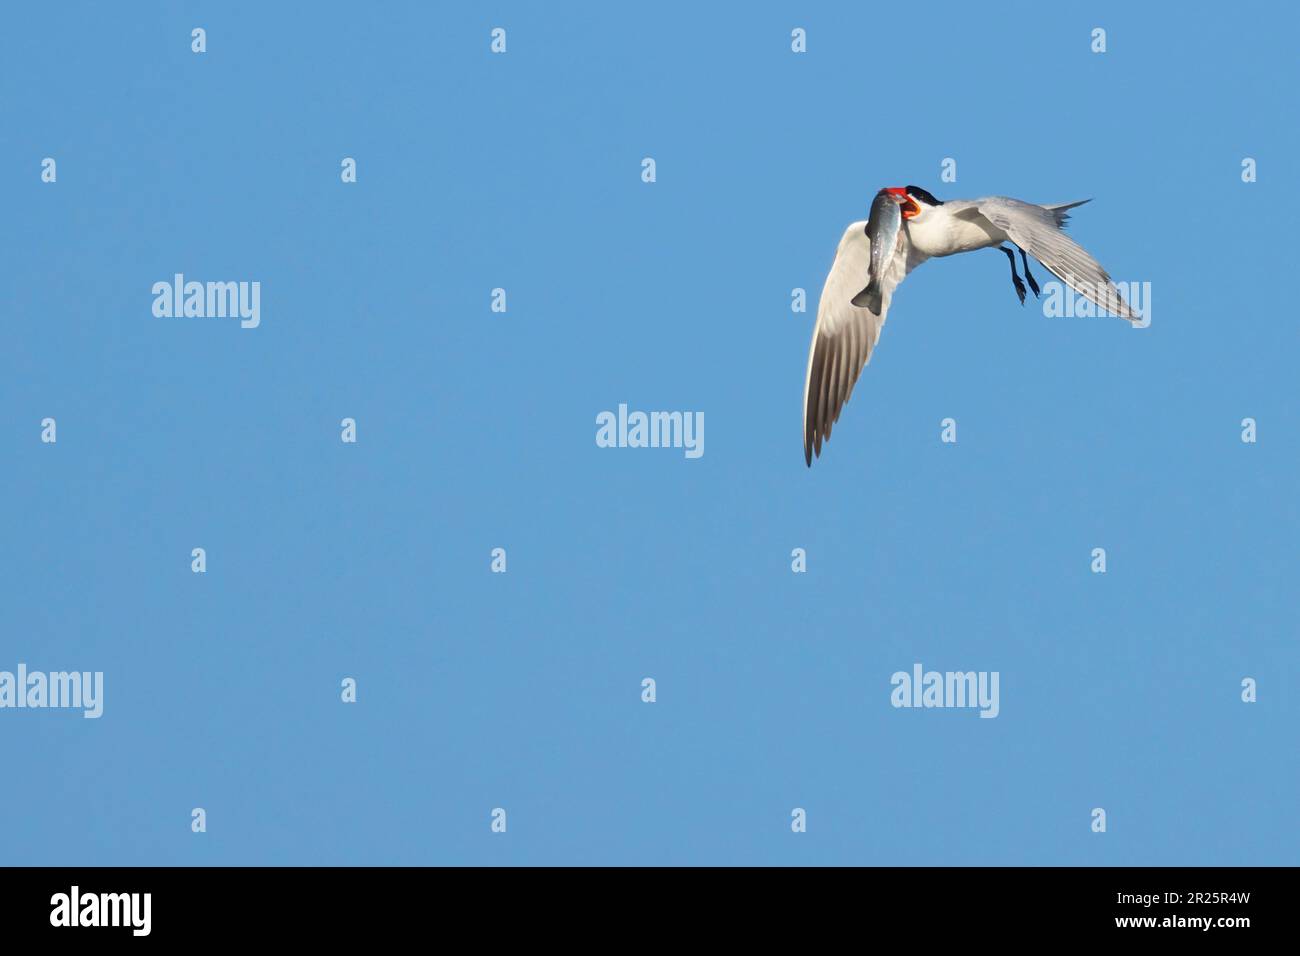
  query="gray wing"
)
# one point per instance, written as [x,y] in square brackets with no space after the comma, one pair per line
[1037,230]
[845,334]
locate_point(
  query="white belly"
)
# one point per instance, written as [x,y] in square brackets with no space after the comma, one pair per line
[937,232]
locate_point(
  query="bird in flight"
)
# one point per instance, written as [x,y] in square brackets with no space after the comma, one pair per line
[906,227]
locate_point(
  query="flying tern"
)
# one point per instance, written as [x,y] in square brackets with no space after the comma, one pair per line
[906,227]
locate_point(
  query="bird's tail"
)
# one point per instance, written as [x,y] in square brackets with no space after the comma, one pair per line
[1059,210]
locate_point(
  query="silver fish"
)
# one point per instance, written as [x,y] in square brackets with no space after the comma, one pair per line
[882,229]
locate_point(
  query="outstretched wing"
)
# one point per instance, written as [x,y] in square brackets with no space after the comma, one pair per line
[845,334]
[1036,229]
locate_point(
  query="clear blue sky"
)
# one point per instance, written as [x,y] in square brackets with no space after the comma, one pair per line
[476,430]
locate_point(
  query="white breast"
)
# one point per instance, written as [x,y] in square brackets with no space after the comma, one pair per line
[940,231]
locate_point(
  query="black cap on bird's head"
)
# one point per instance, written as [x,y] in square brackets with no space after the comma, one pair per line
[911,199]
[923,195]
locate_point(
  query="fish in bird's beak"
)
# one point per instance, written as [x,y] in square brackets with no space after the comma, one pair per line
[882,229]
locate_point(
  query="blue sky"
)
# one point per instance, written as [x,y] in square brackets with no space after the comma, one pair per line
[476,431]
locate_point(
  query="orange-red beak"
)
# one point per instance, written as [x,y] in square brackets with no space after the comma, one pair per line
[909,208]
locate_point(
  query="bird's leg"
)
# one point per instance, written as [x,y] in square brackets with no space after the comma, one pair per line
[1015,276]
[1029,275]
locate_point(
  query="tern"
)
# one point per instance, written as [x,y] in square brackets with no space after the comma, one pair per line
[858,290]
